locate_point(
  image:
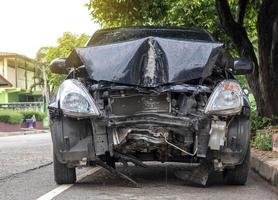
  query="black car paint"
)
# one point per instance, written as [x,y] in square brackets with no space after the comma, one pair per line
[150,62]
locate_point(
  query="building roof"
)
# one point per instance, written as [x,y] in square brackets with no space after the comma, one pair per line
[13,55]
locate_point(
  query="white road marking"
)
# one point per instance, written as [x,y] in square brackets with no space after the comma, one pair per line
[55,192]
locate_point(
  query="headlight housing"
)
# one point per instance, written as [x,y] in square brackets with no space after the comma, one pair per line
[226,99]
[75,100]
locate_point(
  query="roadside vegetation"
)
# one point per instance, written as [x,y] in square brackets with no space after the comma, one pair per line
[45,55]
[17,117]
[28,114]
[10,117]
[263,141]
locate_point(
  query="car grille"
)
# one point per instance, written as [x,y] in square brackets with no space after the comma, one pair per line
[137,103]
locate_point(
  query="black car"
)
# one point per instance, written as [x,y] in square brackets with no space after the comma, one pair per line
[151,94]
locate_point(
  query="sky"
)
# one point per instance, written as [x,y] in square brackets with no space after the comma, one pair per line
[27,25]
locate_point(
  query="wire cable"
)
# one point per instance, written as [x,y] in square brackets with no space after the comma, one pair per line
[182,150]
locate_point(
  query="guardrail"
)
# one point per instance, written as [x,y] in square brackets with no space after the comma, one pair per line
[38,106]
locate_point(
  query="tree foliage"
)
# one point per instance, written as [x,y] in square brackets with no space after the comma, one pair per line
[111,13]
[187,13]
[45,55]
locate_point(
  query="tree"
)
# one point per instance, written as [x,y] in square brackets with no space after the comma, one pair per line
[111,13]
[45,55]
[264,80]
[189,13]
[40,76]
[237,23]
[65,46]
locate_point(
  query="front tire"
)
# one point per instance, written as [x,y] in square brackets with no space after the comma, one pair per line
[238,175]
[63,174]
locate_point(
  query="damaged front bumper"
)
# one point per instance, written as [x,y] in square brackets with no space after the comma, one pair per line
[78,142]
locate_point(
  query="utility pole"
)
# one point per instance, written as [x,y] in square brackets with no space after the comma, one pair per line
[46,91]
[45,86]
[41,65]
[46,94]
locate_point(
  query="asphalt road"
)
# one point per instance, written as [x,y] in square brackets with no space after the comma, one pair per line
[24,152]
[27,174]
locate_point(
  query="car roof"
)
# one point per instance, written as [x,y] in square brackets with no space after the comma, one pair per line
[120,34]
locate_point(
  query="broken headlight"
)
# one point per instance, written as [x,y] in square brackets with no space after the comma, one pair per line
[75,100]
[225,99]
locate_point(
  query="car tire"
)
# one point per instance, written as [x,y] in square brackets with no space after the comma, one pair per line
[238,175]
[63,174]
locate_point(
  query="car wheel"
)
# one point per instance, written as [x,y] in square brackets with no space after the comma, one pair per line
[238,175]
[63,174]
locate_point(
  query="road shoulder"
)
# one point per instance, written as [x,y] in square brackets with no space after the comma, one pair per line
[23,132]
[266,165]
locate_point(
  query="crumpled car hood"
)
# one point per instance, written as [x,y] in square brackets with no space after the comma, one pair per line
[149,62]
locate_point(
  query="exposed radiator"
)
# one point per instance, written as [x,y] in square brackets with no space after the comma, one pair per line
[132,104]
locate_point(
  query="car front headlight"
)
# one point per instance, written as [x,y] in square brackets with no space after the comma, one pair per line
[75,100]
[226,99]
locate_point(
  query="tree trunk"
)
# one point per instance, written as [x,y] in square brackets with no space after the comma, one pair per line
[239,37]
[267,27]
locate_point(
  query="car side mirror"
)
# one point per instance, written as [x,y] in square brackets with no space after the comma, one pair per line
[243,66]
[58,66]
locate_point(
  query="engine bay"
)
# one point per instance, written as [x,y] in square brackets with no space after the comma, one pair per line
[166,123]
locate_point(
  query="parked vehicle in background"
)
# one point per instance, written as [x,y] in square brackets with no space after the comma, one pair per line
[151,94]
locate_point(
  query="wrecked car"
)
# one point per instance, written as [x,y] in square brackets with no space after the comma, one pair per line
[151,94]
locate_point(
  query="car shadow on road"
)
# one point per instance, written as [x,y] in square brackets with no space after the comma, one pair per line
[155,175]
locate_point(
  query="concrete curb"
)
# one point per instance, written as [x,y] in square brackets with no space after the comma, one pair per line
[266,165]
[23,132]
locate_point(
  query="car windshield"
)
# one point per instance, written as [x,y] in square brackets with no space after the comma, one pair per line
[109,36]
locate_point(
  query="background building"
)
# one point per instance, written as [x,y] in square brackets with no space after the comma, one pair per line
[17,75]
